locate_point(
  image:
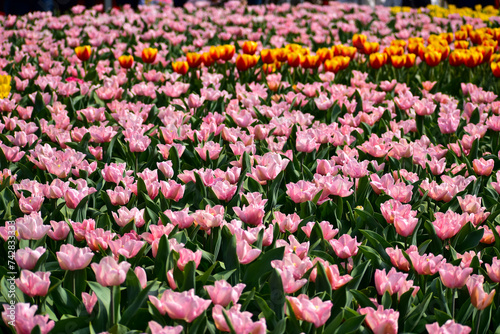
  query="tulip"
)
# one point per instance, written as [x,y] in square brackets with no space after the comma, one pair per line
[109,272]
[483,167]
[293,59]
[449,327]
[83,52]
[311,310]
[73,258]
[249,47]
[34,284]
[25,320]
[346,246]
[207,59]
[246,253]
[267,56]
[141,276]
[381,321]
[214,53]
[126,61]
[27,258]
[156,328]
[454,277]
[479,298]
[193,59]
[31,227]
[494,270]
[241,321]
[358,40]
[149,55]
[89,301]
[180,305]
[226,52]
[180,67]
[222,293]
[377,60]
[495,69]
[187,255]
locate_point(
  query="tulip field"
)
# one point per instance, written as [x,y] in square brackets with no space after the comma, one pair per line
[262,169]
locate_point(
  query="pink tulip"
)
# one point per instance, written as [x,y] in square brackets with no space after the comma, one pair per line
[156,328]
[210,217]
[34,284]
[98,239]
[27,258]
[311,310]
[252,214]
[328,231]
[301,191]
[194,101]
[119,196]
[125,216]
[89,301]
[246,253]
[30,204]
[454,277]
[73,258]
[397,258]
[166,168]
[125,246]
[392,282]
[172,190]
[345,246]
[141,276]
[448,224]
[478,297]
[222,293]
[241,321]
[290,284]
[224,191]
[449,327]
[285,222]
[31,227]
[171,280]
[381,321]
[182,219]
[80,229]
[187,255]
[483,167]
[494,270]
[211,147]
[332,273]
[426,264]
[109,272]
[180,305]
[24,320]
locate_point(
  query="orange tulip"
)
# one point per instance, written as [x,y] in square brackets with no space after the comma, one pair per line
[293,59]
[432,58]
[344,62]
[214,52]
[370,47]
[398,42]
[447,36]
[83,52]
[414,47]
[349,51]
[293,47]
[227,52]
[394,50]
[244,62]
[249,47]
[461,35]
[324,53]
[149,55]
[207,59]
[181,67]
[495,58]
[473,58]
[476,37]
[193,59]
[495,69]
[337,49]
[268,56]
[456,58]
[310,62]
[410,60]
[461,44]
[126,61]
[332,65]
[377,60]
[281,54]
[398,61]
[486,51]
[358,40]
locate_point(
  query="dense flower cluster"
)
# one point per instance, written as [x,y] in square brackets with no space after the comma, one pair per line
[251,170]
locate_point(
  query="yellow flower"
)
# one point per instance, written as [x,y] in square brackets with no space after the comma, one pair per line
[4,86]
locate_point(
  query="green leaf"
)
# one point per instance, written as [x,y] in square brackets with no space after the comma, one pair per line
[350,325]
[138,302]
[162,257]
[262,266]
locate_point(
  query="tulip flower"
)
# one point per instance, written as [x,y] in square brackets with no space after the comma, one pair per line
[311,310]
[478,297]
[449,326]
[345,246]
[222,293]
[149,55]
[34,284]
[126,61]
[380,320]
[249,47]
[73,258]
[83,52]
[454,277]
[25,320]
[27,258]
[180,305]
[180,67]
[193,59]
[241,321]
[156,328]
[109,272]
[89,301]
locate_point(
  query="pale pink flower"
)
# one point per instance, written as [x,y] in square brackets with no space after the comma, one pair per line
[311,310]
[222,293]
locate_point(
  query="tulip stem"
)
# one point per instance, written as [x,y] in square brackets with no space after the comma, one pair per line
[112,306]
[453,303]
[478,320]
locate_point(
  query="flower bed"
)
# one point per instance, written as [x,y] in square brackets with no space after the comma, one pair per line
[250,170]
